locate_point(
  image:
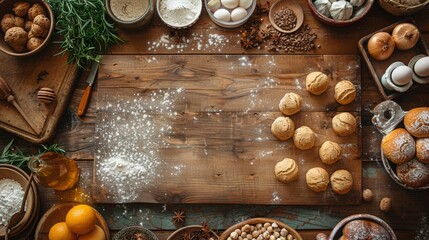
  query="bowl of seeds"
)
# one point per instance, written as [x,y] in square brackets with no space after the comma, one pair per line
[194,232]
[286,16]
[260,228]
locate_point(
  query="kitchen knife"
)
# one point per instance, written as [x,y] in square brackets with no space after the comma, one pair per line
[83,105]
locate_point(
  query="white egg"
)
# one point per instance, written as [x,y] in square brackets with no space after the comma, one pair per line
[245,3]
[213,5]
[421,68]
[238,14]
[402,75]
[231,4]
[222,14]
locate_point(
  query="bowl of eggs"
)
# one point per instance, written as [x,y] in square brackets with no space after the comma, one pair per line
[340,13]
[230,13]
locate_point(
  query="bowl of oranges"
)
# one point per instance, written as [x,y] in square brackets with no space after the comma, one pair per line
[72,221]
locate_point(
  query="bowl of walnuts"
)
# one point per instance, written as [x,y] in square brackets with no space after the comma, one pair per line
[26,26]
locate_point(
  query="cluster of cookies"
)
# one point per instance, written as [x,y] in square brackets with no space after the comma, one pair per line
[343,124]
[409,148]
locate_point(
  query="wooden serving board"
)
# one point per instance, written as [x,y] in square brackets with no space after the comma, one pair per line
[196,128]
[26,76]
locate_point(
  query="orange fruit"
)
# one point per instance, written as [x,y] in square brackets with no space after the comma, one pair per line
[81,219]
[60,231]
[96,234]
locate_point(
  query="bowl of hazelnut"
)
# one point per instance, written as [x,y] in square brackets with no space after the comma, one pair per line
[26,27]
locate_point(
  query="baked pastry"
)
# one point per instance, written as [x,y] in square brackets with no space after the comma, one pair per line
[286,170]
[304,138]
[345,92]
[290,103]
[413,173]
[398,146]
[416,122]
[341,181]
[364,230]
[422,150]
[316,83]
[330,152]
[317,179]
[283,128]
[344,124]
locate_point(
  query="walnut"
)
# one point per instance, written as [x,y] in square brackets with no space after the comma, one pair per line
[35,10]
[9,21]
[385,204]
[34,43]
[27,25]
[367,195]
[21,8]
[40,26]
[16,36]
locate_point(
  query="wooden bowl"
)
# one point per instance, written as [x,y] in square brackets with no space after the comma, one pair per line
[128,233]
[11,172]
[337,232]
[292,5]
[189,229]
[58,213]
[358,14]
[254,221]
[6,7]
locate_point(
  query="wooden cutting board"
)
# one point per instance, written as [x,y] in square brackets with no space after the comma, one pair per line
[26,76]
[196,129]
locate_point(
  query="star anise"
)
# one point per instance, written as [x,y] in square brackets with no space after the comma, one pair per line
[179,217]
[187,236]
[206,230]
[138,236]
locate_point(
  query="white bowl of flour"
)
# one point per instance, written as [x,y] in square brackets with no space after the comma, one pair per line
[179,13]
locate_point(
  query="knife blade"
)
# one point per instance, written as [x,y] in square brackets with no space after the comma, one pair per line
[83,105]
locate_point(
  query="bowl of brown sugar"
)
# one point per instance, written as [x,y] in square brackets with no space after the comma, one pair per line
[131,14]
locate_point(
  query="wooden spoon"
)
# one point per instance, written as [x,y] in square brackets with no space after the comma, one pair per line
[6,94]
[18,216]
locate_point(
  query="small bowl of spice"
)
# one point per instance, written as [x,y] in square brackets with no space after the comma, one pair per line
[286,16]
[179,14]
[135,232]
[131,14]
[230,13]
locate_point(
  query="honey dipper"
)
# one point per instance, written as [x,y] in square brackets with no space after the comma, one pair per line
[6,94]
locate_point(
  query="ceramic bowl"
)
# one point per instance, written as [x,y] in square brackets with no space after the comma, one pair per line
[129,233]
[292,5]
[189,23]
[144,18]
[179,233]
[232,24]
[338,229]
[32,205]
[254,221]
[5,8]
[58,213]
[358,14]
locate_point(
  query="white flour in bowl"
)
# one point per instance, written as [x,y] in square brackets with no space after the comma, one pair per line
[179,12]
[11,194]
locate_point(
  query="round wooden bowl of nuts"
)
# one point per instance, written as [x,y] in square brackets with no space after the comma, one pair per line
[26,27]
[260,226]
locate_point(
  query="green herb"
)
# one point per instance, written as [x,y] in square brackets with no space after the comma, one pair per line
[19,158]
[86,31]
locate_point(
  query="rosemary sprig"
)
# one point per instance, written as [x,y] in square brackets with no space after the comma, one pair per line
[19,158]
[86,31]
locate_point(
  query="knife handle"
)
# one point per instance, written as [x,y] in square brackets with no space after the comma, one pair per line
[83,105]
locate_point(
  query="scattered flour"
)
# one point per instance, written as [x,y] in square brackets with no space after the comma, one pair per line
[11,194]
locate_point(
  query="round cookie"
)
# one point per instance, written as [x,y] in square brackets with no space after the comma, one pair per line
[316,83]
[283,128]
[345,92]
[304,138]
[286,170]
[344,124]
[413,173]
[341,181]
[416,122]
[422,150]
[330,152]
[398,146]
[317,179]
[290,103]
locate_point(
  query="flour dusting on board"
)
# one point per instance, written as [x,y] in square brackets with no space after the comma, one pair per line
[129,136]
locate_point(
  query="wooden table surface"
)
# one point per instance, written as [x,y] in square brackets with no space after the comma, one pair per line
[409,216]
